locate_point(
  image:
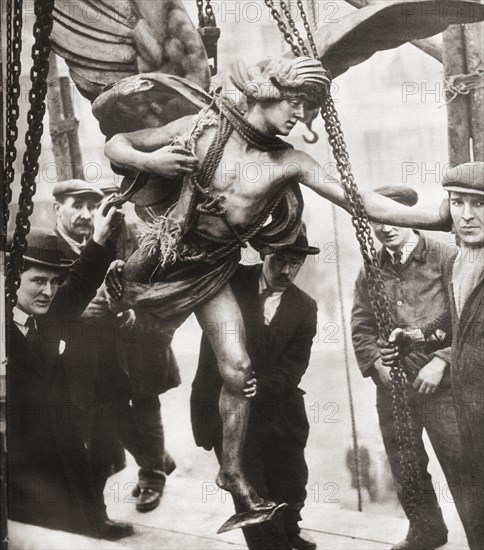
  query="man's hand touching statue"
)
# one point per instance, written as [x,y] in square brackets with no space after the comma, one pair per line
[113,281]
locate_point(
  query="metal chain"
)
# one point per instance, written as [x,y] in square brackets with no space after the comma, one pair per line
[210,21]
[308,27]
[411,477]
[38,76]
[206,19]
[14,49]
[283,28]
[286,10]
[410,471]
[201,16]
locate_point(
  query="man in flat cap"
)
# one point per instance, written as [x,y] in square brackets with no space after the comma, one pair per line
[94,378]
[464,320]
[76,202]
[412,269]
[102,352]
[280,320]
[50,480]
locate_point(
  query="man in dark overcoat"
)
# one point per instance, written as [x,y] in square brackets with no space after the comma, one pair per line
[116,368]
[280,323]
[464,321]
[49,478]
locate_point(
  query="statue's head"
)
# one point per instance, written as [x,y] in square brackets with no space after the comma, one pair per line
[280,78]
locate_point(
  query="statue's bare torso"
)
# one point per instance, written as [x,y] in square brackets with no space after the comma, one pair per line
[247,178]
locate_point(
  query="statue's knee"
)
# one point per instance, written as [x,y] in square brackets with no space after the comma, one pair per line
[236,374]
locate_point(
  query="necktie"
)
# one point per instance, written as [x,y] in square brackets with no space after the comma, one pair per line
[32,334]
[397,259]
[264,295]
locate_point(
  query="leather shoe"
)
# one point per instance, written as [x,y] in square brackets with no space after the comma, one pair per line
[298,542]
[148,500]
[114,530]
[410,543]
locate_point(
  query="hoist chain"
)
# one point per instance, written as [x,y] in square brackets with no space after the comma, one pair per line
[38,76]
[410,471]
[206,19]
[283,28]
[307,26]
[285,8]
[411,477]
[14,49]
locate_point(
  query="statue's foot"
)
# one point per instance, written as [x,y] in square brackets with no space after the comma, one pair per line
[236,484]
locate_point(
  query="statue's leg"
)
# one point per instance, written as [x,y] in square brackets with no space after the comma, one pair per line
[221,320]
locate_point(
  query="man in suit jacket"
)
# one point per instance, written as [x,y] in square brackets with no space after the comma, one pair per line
[464,321]
[103,355]
[280,323]
[50,481]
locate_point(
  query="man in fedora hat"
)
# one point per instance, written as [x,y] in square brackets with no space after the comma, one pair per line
[50,480]
[280,323]
[412,267]
[463,321]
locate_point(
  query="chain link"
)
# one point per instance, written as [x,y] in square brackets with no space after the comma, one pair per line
[210,15]
[201,16]
[206,19]
[283,28]
[286,10]
[14,49]
[410,471]
[307,26]
[37,94]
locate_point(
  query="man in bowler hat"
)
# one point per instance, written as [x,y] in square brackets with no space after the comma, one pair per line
[280,323]
[50,480]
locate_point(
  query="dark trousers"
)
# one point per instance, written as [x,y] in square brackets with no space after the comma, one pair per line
[471,427]
[277,469]
[141,432]
[437,414]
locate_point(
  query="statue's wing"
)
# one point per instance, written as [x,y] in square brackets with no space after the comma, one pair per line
[383,26]
[104,41]
[147,101]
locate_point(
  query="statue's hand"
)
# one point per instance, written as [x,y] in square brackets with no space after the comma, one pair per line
[172,161]
[114,285]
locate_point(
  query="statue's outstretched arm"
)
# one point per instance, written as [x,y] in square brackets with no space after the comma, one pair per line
[379,208]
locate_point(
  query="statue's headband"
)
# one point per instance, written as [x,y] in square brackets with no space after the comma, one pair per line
[274,79]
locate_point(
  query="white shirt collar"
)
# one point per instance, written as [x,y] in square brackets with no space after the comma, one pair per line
[77,247]
[19,316]
[20,319]
[271,303]
[407,249]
